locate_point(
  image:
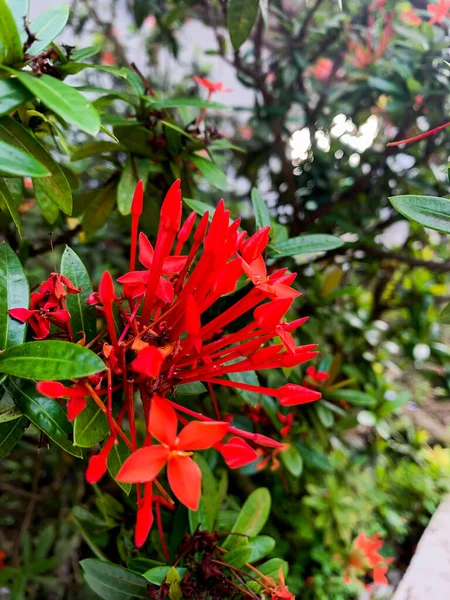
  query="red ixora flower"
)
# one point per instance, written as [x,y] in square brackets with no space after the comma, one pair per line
[211,86]
[439,12]
[364,556]
[364,54]
[160,334]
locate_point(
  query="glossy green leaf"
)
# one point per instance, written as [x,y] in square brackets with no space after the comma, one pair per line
[94,148]
[251,378]
[191,389]
[56,186]
[252,517]
[112,582]
[179,102]
[45,413]
[10,434]
[238,556]
[7,200]
[118,455]
[97,213]
[64,100]
[90,426]
[211,172]
[305,244]
[50,359]
[199,207]
[261,546]
[261,210]
[14,293]
[134,169]
[83,53]
[241,19]
[12,95]
[157,575]
[83,317]
[293,461]
[354,397]
[19,10]
[271,568]
[49,211]
[8,410]
[10,44]
[14,161]
[429,211]
[47,26]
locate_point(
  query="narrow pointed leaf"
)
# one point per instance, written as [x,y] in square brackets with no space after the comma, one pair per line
[261,210]
[83,316]
[14,161]
[429,211]
[241,19]
[19,10]
[47,26]
[50,359]
[7,199]
[10,44]
[45,413]
[305,244]
[14,293]
[10,434]
[211,172]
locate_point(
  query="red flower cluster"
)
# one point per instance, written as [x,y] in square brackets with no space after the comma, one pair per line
[364,54]
[364,556]
[160,335]
[439,12]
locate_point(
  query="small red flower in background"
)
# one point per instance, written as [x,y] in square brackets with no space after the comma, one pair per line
[108,58]
[211,86]
[2,559]
[322,69]
[364,556]
[410,17]
[362,55]
[159,334]
[317,376]
[439,12]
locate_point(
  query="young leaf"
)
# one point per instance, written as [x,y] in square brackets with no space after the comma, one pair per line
[8,200]
[83,316]
[55,186]
[252,517]
[315,242]
[12,95]
[112,582]
[10,44]
[14,293]
[90,426]
[262,213]
[10,434]
[241,19]
[47,26]
[429,211]
[14,161]
[211,172]
[62,99]
[45,413]
[50,359]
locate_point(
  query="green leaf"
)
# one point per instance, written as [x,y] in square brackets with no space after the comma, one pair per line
[134,169]
[261,546]
[211,172]
[10,44]
[45,413]
[251,378]
[241,19]
[191,389]
[14,161]
[10,434]
[83,317]
[325,415]
[293,461]
[238,556]
[8,410]
[90,426]
[354,397]
[444,315]
[83,53]
[55,187]
[93,148]
[50,359]
[262,213]
[118,455]
[47,26]
[272,567]
[314,458]
[251,518]
[7,199]
[97,213]
[315,242]
[112,582]
[156,575]
[49,211]
[12,95]
[14,293]
[64,100]
[178,102]
[205,516]
[429,211]
[199,207]
[19,10]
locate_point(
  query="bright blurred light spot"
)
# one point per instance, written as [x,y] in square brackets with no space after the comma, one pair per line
[300,143]
[354,160]
[323,141]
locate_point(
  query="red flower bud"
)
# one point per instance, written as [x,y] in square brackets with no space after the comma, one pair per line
[255,245]
[138,199]
[292,395]
[171,208]
[237,453]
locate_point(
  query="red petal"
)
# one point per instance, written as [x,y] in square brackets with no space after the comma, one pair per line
[144,518]
[148,362]
[198,435]
[71,289]
[134,278]
[186,229]
[292,394]
[173,264]
[97,467]
[165,290]
[255,245]
[51,389]
[40,326]
[146,252]
[138,199]
[75,405]
[163,421]
[192,316]
[185,480]
[143,465]
[21,314]
[269,315]
[237,453]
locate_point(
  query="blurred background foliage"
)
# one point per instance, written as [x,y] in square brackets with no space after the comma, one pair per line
[314,95]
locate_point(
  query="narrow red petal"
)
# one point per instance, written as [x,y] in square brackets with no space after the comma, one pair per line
[148,362]
[185,480]
[75,406]
[237,453]
[163,421]
[199,436]
[143,465]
